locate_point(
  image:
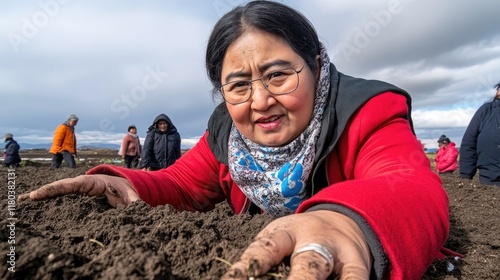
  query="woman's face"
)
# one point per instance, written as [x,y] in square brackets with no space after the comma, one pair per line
[162,125]
[268,119]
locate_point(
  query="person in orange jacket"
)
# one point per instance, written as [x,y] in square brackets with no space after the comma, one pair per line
[64,143]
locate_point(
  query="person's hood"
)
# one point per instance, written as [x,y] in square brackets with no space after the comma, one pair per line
[171,126]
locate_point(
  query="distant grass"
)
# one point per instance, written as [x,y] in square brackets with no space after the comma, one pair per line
[431,157]
[29,162]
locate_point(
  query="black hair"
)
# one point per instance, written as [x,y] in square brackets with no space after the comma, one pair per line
[271,17]
[497,95]
[130,127]
[444,139]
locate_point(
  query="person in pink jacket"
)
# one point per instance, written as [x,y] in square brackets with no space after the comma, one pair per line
[334,158]
[446,156]
[131,148]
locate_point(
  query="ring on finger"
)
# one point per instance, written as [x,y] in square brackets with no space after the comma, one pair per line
[317,249]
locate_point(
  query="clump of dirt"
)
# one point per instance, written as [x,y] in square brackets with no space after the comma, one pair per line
[79,237]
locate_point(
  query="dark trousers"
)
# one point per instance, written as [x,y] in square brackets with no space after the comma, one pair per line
[488,181]
[131,161]
[11,164]
[66,156]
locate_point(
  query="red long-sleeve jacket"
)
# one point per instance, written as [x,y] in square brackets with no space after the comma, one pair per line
[378,170]
[446,158]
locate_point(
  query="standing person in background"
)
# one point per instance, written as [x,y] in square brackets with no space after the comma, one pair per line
[162,146]
[446,156]
[130,149]
[11,155]
[64,143]
[480,148]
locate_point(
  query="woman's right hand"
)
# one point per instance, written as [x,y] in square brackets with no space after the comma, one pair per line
[117,190]
[336,233]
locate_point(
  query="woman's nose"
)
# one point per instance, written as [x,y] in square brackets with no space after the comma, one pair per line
[261,97]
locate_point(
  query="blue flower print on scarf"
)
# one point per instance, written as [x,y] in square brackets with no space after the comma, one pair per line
[292,184]
[246,160]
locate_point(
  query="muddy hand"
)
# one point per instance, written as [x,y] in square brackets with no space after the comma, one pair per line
[322,242]
[116,189]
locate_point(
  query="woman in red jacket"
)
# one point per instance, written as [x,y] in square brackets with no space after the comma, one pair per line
[333,157]
[446,156]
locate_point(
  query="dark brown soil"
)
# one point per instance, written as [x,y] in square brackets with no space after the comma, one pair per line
[78,237]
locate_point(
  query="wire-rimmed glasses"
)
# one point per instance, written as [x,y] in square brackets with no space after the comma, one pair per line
[279,82]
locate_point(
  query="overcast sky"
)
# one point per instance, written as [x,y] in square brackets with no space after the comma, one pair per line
[116,63]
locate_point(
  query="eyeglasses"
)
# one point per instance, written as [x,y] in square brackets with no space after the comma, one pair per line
[278,83]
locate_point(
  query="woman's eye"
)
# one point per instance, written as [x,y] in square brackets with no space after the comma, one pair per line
[241,84]
[275,75]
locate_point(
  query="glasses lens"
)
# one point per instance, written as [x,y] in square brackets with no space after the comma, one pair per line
[237,91]
[282,82]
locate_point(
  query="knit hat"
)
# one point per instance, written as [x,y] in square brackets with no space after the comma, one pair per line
[443,139]
[8,136]
[72,117]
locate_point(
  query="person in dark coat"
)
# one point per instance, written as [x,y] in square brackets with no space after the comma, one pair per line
[480,148]
[162,146]
[11,154]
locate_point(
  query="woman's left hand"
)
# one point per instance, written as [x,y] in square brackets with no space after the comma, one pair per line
[334,232]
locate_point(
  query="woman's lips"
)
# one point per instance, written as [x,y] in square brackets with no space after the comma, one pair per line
[269,123]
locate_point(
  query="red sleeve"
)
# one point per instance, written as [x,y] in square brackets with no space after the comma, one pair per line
[449,158]
[387,179]
[437,159]
[192,183]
